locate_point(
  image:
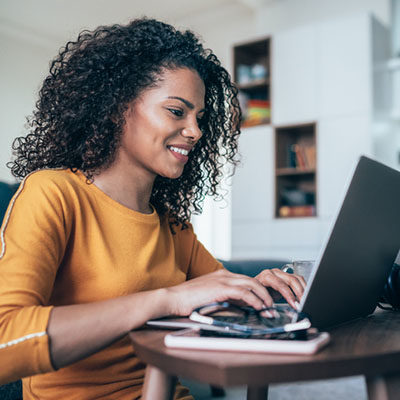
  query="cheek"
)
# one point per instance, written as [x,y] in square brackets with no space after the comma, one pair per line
[147,130]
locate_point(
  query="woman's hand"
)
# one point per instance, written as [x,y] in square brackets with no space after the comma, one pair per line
[223,285]
[290,286]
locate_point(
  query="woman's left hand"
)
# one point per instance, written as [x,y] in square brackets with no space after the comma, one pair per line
[290,286]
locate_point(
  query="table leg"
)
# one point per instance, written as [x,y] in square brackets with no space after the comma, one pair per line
[158,385]
[257,393]
[384,387]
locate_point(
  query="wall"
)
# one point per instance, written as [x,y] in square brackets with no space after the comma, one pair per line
[24,62]
[286,14]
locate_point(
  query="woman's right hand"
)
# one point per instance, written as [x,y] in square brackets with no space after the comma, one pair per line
[217,286]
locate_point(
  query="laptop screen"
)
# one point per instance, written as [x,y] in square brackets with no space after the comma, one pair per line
[352,268]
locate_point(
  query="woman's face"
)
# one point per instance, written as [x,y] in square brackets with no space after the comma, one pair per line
[161,125]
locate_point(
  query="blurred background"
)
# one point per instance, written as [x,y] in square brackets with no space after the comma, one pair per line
[320,85]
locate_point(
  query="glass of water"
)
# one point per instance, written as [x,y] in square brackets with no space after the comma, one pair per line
[301,267]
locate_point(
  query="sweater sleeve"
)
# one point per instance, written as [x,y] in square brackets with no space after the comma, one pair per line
[193,255]
[33,239]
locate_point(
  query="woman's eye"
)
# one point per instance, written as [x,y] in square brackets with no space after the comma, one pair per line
[176,112]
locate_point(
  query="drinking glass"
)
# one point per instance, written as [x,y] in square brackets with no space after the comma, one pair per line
[301,267]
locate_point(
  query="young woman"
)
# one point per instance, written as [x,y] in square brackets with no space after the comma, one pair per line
[132,127]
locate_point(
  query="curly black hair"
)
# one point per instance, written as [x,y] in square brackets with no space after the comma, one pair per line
[79,117]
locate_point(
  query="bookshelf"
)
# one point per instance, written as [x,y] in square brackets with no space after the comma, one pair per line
[252,76]
[295,171]
[320,73]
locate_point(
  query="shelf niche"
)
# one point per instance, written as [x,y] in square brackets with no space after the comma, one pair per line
[295,171]
[252,76]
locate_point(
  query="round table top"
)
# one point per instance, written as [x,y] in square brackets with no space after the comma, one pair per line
[368,346]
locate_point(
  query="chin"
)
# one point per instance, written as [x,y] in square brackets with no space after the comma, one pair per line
[172,174]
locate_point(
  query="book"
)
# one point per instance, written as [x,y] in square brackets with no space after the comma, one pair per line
[194,339]
[301,156]
[310,156]
[256,112]
[297,211]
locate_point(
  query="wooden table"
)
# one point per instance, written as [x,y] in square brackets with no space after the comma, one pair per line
[369,347]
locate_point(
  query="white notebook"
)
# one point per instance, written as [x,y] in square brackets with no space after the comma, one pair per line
[192,339]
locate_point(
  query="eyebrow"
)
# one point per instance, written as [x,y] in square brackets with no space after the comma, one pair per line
[187,103]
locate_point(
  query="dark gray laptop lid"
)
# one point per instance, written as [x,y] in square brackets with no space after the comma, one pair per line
[350,273]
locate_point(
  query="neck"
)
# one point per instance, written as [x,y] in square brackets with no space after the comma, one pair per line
[128,189]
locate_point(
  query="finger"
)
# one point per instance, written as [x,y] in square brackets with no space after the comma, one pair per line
[250,284]
[300,278]
[295,282]
[255,286]
[249,297]
[268,278]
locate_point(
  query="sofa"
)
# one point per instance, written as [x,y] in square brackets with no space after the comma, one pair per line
[6,192]
[11,391]
[252,267]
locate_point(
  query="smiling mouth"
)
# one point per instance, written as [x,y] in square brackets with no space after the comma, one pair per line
[179,150]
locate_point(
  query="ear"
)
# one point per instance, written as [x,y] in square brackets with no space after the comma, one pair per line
[130,109]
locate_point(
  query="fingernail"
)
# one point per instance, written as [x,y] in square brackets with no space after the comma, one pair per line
[268,314]
[297,304]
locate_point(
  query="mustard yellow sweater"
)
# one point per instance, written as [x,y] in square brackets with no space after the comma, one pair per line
[64,241]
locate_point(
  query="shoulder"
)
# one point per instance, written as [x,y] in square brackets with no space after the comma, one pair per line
[183,234]
[60,179]
[50,185]
[50,177]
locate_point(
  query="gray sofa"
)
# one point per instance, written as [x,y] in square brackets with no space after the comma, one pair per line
[252,267]
[11,391]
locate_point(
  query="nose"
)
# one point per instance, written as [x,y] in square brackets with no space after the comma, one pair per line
[192,131]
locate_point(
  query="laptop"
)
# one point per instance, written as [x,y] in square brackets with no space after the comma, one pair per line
[350,273]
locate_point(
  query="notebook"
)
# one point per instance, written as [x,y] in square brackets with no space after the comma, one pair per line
[195,339]
[354,263]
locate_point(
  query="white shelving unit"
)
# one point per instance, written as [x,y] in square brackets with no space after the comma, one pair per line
[322,73]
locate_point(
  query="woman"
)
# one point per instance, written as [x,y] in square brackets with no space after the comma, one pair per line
[131,130]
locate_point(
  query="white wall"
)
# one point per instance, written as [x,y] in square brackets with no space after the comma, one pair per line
[286,14]
[24,63]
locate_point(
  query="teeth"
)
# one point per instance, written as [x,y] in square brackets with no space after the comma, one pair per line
[178,150]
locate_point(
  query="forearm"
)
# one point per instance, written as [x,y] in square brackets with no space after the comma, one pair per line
[77,331]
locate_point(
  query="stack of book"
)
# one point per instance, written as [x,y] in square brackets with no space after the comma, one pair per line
[297,211]
[257,112]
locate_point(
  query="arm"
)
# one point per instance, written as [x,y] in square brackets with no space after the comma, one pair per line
[78,331]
